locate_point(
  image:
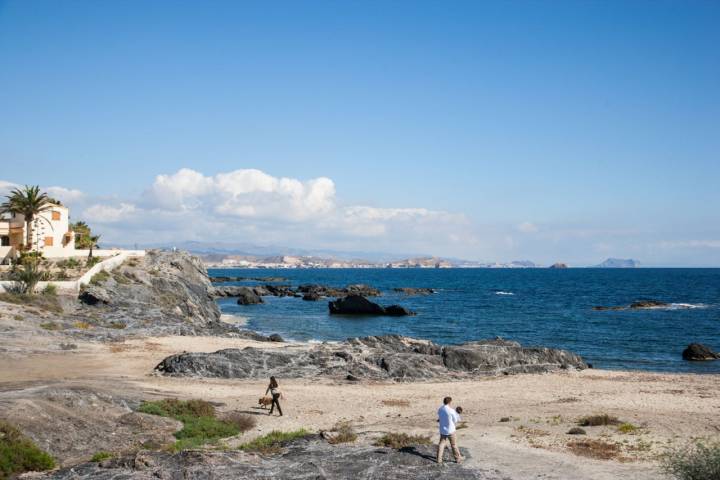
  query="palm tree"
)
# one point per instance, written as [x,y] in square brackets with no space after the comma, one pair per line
[28,202]
[94,240]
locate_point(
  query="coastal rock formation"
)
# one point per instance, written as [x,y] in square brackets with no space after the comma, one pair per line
[325,291]
[389,357]
[698,352]
[558,265]
[310,458]
[414,291]
[221,279]
[247,296]
[359,305]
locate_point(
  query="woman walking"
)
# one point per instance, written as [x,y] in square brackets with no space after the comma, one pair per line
[274,390]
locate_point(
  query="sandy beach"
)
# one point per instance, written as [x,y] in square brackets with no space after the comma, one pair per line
[515,425]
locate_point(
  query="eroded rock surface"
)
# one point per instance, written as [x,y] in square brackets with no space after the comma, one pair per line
[311,458]
[390,357]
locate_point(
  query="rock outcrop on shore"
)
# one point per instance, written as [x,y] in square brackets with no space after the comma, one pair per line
[390,357]
[310,458]
[307,292]
[698,352]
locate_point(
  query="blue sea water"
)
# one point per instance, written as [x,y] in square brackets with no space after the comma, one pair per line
[533,306]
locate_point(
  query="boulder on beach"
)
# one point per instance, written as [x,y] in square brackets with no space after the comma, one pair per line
[697,352]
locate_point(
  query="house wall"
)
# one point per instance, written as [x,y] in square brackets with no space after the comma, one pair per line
[50,233]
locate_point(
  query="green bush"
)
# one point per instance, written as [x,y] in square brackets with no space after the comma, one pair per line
[100,456]
[700,461]
[19,454]
[344,433]
[627,428]
[92,261]
[273,441]
[401,440]
[50,289]
[200,426]
[100,277]
[28,276]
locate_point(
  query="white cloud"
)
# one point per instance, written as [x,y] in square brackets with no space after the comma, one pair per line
[65,195]
[527,227]
[101,213]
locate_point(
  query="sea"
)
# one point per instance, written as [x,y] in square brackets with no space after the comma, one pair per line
[536,307]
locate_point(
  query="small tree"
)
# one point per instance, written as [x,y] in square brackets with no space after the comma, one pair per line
[94,240]
[28,275]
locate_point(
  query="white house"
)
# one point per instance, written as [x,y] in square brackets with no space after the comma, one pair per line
[50,234]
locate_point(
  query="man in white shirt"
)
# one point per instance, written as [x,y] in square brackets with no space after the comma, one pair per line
[447,417]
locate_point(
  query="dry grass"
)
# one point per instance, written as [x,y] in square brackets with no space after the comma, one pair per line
[395,402]
[402,440]
[242,421]
[598,420]
[597,449]
[82,325]
[344,433]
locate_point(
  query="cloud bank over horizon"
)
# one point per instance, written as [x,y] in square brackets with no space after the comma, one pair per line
[250,206]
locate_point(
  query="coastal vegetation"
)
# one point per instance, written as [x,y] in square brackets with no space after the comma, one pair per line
[273,442]
[401,440]
[19,454]
[698,461]
[100,456]
[200,423]
[598,420]
[344,433]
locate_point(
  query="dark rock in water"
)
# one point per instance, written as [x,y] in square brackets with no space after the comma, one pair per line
[362,289]
[559,265]
[698,352]
[325,291]
[311,458]
[355,305]
[247,296]
[241,279]
[276,338]
[414,291]
[385,357]
[311,297]
[359,305]
[648,304]
[637,305]
[397,311]
[228,291]
[92,295]
[275,290]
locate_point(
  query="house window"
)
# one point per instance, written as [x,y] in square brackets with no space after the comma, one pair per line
[48,241]
[4,241]
[55,215]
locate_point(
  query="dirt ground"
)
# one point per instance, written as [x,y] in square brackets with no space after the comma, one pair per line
[512,424]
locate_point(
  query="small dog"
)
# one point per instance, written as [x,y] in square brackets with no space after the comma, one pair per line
[265,401]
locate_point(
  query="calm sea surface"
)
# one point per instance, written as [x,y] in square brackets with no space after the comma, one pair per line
[533,306]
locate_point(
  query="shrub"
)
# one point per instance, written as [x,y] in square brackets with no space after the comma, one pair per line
[92,261]
[200,426]
[242,421]
[117,325]
[50,326]
[402,440]
[19,454]
[576,431]
[50,289]
[273,441]
[100,277]
[396,402]
[627,428]
[700,461]
[68,346]
[45,302]
[598,420]
[82,325]
[344,433]
[100,456]
[27,277]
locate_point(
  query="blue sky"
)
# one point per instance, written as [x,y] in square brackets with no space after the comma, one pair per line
[554,131]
